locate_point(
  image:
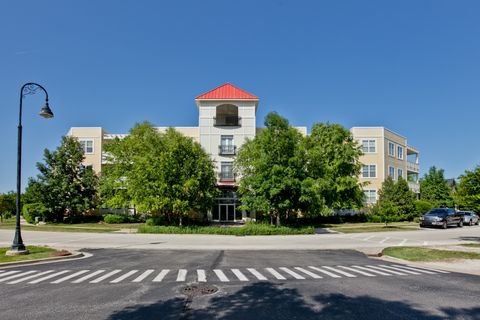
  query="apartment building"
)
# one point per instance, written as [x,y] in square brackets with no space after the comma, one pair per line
[385,154]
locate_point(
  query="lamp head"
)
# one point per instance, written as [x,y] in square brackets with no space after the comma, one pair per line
[46,112]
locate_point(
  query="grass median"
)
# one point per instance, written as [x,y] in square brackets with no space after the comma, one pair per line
[35,253]
[421,254]
[373,227]
[74,227]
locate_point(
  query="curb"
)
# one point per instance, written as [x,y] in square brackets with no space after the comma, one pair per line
[75,255]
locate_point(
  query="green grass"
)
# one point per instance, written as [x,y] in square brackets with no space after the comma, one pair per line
[471,245]
[427,255]
[74,227]
[249,229]
[373,227]
[35,254]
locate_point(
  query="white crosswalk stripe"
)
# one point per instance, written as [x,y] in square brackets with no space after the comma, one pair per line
[415,269]
[275,274]
[123,277]
[328,273]
[50,276]
[373,270]
[239,275]
[432,269]
[387,270]
[182,275]
[88,276]
[311,274]
[161,275]
[221,275]
[8,272]
[30,277]
[18,275]
[141,277]
[402,270]
[105,276]
[292,273]
[357,271]
[257,274]
[346,274]
[201,275]
[70,276]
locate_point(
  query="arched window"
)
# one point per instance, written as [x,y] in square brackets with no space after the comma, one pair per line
[227,115]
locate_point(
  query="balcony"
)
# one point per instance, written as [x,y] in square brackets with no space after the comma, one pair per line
[227,150]
[413,167]
[226,176]
[227,121]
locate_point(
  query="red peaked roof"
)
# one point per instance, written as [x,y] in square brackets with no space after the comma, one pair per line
[226,92]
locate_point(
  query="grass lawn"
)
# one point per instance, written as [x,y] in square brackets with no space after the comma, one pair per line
[426,254]
[74,227]
[373,227]
[471,245]
[249,229]
[35,253]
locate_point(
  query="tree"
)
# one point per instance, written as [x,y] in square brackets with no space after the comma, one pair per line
[434,188]
[396,201]
[160,173]
[271,170]
[7,204]
[468,191]
[332,161]
[64,187]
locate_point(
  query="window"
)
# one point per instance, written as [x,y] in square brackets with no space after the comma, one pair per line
[87,146]
[400,152]
[391,149]
[391,172]
[370,196]
[369,146]
[226,145]
[369,171]
[400,173]
[226,172]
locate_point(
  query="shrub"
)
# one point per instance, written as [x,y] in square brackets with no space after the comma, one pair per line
[32,210]
[116,218]
[422,206]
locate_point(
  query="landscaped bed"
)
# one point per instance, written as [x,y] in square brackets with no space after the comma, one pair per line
[373,227]
[427,254]
[73,227]
[35,253]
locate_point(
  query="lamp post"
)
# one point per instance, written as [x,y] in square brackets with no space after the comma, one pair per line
[27,89]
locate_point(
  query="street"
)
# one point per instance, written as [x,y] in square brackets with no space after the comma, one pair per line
[218,284]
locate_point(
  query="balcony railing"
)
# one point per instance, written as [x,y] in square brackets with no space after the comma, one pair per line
[227,150]
[227,121]
[413,167]
[226,176]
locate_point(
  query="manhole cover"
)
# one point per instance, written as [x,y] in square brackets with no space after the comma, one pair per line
[198,290]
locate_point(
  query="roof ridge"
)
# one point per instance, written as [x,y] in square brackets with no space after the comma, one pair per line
[232,92]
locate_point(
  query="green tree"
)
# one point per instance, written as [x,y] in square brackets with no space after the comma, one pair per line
[396,201]
[332,161]
[434,188]
[160,173]
[7,204]
[271,170]
[468,191]
[64,187]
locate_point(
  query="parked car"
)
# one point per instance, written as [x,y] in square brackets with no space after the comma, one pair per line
[470,218]
[441,217]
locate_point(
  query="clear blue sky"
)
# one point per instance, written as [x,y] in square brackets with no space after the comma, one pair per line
[412,66]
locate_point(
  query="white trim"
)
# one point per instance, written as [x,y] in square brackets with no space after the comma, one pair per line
[85,147]
[400,147]
[388,149]
[368,145]
[368,197]
[390,167]
[369,171]
[398,173]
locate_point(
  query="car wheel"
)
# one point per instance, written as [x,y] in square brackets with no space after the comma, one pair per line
[444,225]
[460,224]
[470,223]
[477,222]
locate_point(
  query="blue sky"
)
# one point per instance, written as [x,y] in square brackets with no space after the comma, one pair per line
[412,66]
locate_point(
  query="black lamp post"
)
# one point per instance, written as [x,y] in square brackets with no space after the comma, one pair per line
[28,88]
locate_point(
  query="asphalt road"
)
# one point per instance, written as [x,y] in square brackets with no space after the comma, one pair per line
[168,284]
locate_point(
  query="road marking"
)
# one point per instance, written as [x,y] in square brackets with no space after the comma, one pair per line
[123,277]
[311,274]
[88,276]
[49,276]
[402,243]
[387,270]
[105,276]
[403,270]
[257,274]
[161,275]
[73,275]
[221,275]
[239,275]
[275,274]
[415,269]
[141,277]
[357,271]
[384,239]
[346,274]
[17,275]
[292,273]
[425,243]
[201,275]
[432,269]
[182,275]
[9,272]
[368,238]
[372,270]
[325,272]
[30,277]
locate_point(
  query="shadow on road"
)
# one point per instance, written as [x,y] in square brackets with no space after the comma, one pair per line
[271,301]
[471,239]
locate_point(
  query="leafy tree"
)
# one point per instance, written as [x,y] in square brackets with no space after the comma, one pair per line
[434,188]
[160,173]
[396,201]
[468,191]
[271,170]
[7,204]
[332,161]
[64,187]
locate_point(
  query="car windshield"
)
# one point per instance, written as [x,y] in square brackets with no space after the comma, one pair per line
[437,212]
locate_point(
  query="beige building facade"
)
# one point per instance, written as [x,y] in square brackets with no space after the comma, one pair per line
[385,153]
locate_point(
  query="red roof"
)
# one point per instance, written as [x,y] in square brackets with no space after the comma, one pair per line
[226,92]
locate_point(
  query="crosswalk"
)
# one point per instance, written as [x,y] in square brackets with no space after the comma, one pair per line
[225,275]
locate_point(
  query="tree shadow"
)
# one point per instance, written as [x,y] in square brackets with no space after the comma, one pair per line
[471,239]
[270,301]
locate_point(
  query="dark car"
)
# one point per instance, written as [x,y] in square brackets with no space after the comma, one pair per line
[441,217]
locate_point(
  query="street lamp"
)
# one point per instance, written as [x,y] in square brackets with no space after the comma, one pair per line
[28,88]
